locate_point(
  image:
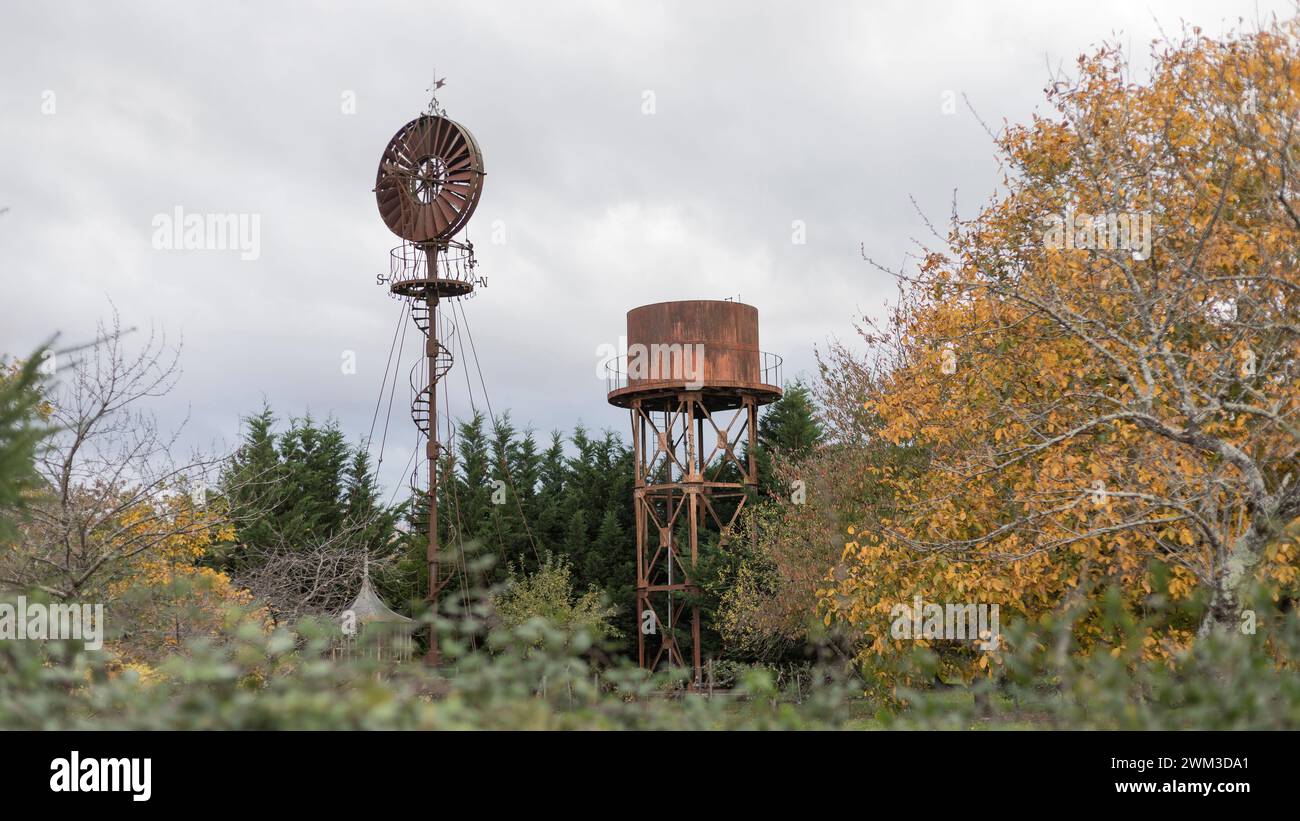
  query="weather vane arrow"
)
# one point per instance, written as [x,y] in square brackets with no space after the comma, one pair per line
[434,106]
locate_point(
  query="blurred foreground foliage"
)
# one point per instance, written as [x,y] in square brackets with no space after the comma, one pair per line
[537,675]
[534,674]
[529,675]
[1039,678]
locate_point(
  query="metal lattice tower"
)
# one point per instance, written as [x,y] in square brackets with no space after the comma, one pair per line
[693,380]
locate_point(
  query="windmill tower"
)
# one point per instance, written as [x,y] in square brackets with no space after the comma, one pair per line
[429,181]
[693,379]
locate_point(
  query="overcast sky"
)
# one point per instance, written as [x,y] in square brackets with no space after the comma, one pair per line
[764,114]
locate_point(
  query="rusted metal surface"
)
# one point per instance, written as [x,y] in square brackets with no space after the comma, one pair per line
[693,461]
[622,391]
[694,344]
[446,267]
[433,452]
[727,330]
[429,180]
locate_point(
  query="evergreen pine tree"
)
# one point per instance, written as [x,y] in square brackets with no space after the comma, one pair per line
[552,502]
[788,426]
[253,485]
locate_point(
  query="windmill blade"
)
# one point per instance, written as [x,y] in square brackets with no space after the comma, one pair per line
[429,180]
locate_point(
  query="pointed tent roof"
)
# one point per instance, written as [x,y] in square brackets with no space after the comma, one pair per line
[368,607]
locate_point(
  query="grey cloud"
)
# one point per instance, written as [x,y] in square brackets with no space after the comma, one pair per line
[766,113]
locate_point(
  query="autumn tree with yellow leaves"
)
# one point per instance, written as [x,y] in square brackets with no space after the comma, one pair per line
[1100,369]
[105,469]
[166,597]
[105,511]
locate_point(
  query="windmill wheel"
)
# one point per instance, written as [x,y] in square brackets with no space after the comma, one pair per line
[429,181]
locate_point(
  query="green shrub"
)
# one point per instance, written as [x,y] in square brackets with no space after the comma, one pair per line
[548,596]
[1224,682]
[533,675]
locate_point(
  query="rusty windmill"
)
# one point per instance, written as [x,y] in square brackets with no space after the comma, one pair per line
[429,181]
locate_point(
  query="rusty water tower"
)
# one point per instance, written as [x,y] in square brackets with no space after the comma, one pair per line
[428,184]
[693,378]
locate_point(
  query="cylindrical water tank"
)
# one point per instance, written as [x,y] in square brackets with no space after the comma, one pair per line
[696,345]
